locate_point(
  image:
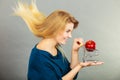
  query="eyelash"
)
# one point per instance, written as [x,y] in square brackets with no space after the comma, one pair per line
[68,31]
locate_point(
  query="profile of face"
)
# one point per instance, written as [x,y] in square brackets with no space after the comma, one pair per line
[64,35]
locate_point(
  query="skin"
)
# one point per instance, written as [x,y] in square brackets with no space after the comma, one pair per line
[49,44]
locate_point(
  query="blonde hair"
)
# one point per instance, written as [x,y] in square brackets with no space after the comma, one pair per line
[41,25]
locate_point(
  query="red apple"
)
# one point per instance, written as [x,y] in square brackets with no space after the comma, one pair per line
[90,45]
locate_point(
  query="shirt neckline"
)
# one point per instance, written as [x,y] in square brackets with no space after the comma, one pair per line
[48,53]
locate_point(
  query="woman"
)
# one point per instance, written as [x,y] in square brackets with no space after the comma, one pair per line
[47,59]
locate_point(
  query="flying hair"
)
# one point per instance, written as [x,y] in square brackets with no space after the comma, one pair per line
[39,24]
[31,15]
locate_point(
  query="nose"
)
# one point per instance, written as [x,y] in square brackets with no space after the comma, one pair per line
[70,36]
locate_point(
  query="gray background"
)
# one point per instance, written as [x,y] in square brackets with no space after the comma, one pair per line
[99,20]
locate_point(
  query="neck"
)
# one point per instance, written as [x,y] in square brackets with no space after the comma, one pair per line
[48,45]
[50,42]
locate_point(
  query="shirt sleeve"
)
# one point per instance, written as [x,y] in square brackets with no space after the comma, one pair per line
[42,72]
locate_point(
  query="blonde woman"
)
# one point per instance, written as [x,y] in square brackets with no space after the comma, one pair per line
[47,59]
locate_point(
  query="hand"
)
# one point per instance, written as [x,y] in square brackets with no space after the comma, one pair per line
[78,42]
[90,63]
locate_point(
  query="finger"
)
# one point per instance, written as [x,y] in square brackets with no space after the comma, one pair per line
[96,63]
[99,62]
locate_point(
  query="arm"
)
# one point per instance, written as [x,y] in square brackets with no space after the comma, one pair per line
[74,54]
[74,65]
[70,75]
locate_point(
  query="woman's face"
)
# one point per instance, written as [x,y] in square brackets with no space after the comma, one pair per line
[64,35]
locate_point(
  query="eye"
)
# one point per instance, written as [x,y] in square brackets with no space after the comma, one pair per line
[68,31]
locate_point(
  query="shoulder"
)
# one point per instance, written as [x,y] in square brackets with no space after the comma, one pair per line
[38,55]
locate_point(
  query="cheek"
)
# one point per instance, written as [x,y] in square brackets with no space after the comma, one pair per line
[61,39]
[65,34]
[62,35]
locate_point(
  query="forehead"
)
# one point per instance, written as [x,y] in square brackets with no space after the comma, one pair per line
[69,26]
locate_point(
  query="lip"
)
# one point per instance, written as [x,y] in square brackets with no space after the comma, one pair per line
[65,40]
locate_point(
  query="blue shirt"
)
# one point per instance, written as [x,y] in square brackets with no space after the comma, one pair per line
[44,66]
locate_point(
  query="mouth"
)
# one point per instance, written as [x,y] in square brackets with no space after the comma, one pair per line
[66,39]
